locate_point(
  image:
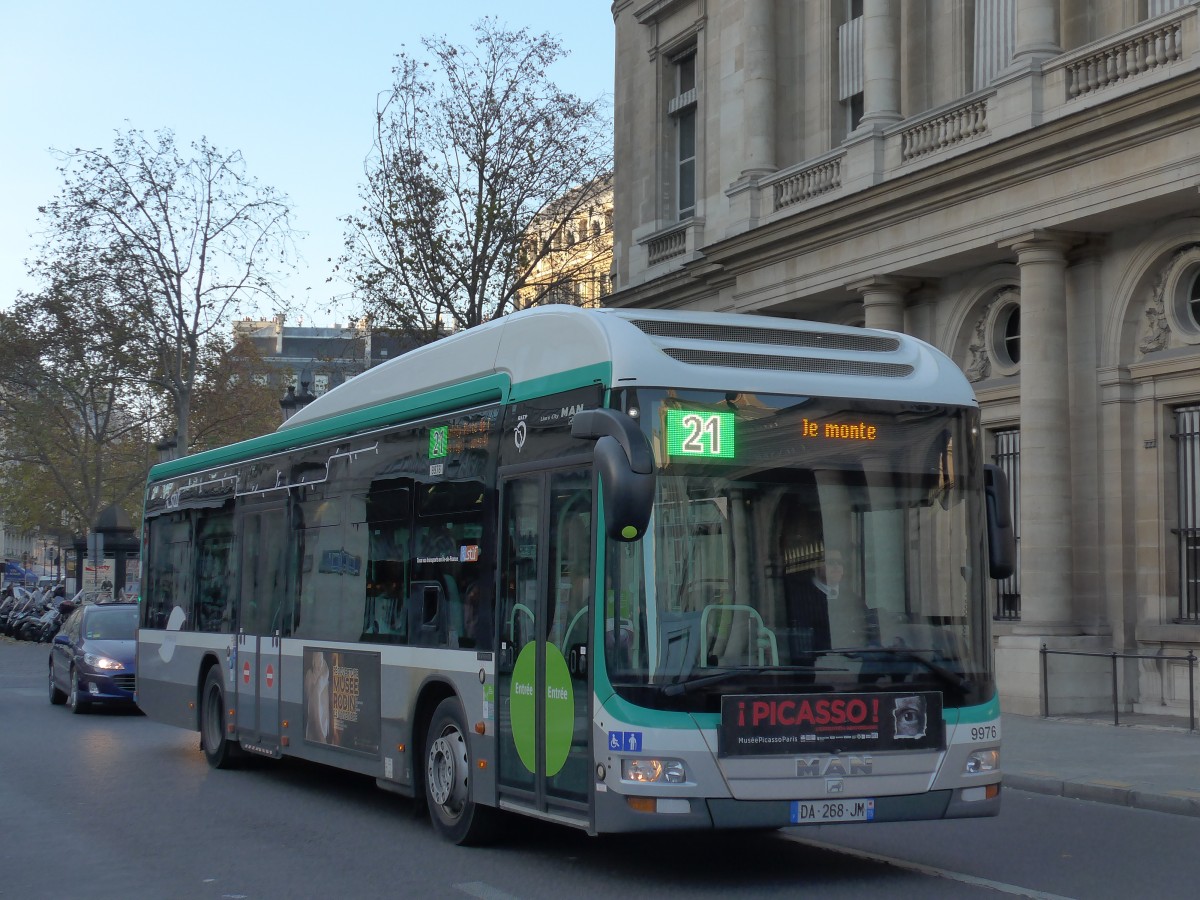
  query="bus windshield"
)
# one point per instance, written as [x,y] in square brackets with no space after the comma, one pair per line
[802,544]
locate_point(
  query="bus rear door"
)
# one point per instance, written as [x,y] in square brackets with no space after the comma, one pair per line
[262,574]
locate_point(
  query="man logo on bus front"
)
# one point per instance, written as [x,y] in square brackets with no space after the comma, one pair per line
[519,434]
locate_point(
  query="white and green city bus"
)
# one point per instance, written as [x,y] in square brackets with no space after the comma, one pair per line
[563,564]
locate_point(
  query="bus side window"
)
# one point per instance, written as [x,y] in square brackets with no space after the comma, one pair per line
[215,608]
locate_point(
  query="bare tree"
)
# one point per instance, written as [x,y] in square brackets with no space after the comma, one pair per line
[473,146]
[183,242]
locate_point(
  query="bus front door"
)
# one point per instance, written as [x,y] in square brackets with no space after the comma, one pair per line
[262,574]
[542,684]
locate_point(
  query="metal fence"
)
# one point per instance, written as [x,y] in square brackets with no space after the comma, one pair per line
[1187,462]
[1114,656]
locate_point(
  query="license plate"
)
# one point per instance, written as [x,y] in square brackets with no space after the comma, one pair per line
[817,811]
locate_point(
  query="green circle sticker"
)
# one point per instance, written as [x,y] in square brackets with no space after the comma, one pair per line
[560,708]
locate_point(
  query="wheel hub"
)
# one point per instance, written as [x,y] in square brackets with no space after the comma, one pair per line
[447,770]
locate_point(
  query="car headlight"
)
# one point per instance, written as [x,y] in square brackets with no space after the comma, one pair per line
[101,662]
[981,761]
[651,771]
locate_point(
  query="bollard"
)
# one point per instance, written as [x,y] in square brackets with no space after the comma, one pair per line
[1116,714]
[1191,658]
[1045,686]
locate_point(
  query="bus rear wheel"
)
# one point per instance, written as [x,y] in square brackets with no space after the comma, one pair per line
[219,750]
[454,814]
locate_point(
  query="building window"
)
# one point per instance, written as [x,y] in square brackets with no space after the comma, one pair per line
[1155,8]
[1008,459]
[1180,286]
[995,39]
[1194,299]
[682,109]
[1004,332]
[850,64]
[1187,461]
[1012,334]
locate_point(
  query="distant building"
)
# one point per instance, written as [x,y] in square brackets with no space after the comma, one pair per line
[324,357]
[577,261]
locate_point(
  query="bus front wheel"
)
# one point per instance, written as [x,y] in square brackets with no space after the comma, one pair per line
[219,750]
[454,814]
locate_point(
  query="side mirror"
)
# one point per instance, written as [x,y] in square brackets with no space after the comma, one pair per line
[1002,549]
[625,464]
[427,614]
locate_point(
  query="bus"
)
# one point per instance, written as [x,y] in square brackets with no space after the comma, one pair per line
[580,565]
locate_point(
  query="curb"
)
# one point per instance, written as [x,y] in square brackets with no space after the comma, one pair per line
[1175,804]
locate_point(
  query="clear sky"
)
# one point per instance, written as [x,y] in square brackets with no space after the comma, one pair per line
[291,84]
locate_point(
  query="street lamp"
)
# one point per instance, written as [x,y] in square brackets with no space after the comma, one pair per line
[292,401]
[288,404]
[304,396]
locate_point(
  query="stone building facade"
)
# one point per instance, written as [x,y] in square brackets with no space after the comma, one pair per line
[1016,182]
[572,249]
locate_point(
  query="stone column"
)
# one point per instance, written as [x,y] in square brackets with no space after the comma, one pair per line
[881,63]
[1037,32]
[758,88]
[883,300]
[1046,539]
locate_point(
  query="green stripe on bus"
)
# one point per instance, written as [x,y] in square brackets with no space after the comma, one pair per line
[477,392]
[597,373]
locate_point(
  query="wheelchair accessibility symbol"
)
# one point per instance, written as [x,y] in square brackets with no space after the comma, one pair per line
[629,741]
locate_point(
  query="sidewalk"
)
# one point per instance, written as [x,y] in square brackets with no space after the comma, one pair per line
[1144,764]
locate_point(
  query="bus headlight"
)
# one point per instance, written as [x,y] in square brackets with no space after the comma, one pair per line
[654,771]
[981,761]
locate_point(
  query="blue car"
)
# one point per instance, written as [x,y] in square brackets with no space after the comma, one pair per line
[92,658]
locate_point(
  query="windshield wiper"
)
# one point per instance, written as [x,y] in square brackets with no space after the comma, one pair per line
[949,676]
[686,687]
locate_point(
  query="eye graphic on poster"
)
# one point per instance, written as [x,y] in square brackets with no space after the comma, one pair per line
[910,718]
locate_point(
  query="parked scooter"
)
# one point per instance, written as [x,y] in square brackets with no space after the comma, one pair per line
[30,628]
[29,624]
[25,607]
[59,608]
[16,609]
[8,602]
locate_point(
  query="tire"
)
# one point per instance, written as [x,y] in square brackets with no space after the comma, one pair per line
[57,697]
[448,768]
[75,702]
[219,750]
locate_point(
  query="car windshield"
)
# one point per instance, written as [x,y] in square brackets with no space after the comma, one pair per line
[112,624]
[834,545]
